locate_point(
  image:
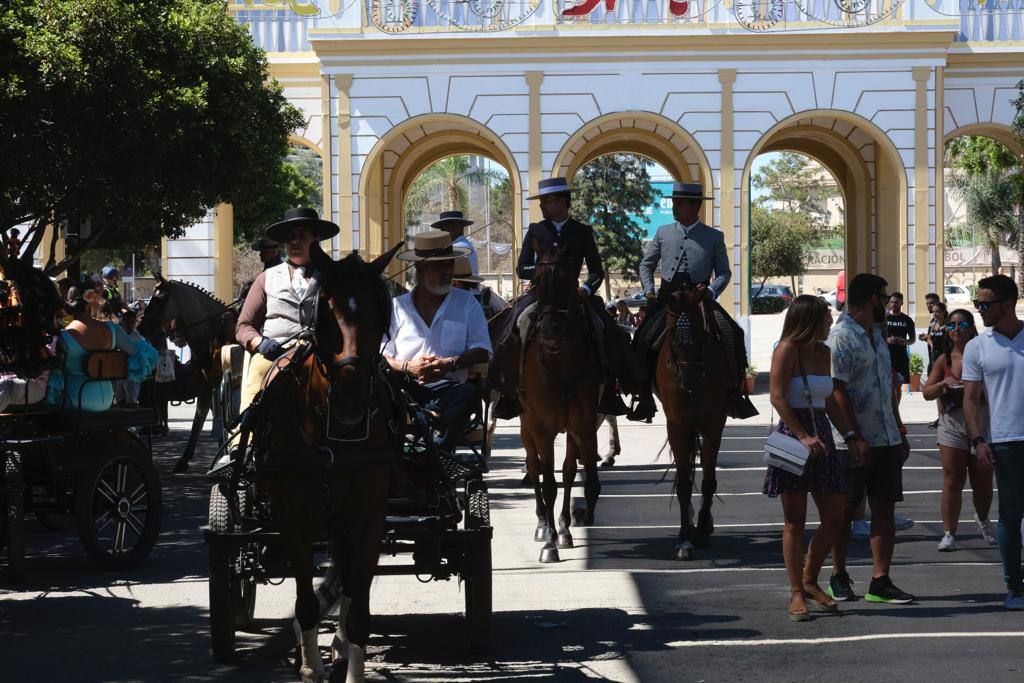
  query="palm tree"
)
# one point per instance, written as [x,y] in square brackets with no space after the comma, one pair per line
[989,198]
[450,178]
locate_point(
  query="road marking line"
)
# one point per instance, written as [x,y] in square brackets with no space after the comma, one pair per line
[735,469]
[741,526]
[842,639]
[745,493]
[717,570]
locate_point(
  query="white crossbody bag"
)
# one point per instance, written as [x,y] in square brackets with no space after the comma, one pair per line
[784,451]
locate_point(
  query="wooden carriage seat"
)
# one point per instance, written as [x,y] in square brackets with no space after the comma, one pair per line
[108,365]
[232,360]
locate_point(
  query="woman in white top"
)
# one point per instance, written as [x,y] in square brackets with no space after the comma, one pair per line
[804,412]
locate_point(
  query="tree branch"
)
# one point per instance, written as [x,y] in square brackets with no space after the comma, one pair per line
[82,248]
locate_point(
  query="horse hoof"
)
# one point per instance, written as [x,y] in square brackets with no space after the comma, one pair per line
[541,534]
[181,467]
[684,552]
[565,541]
[549,555]
[608,462]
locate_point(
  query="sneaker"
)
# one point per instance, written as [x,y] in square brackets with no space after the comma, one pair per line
[840,587]
[883,590]
[985,527]
[902,523]
[947,544]
[1014,600]
[860,530]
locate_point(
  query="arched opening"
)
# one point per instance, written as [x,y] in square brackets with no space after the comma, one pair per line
[980,233]
[868,170]
[402,154]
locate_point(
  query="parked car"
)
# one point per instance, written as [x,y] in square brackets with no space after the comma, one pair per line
[636,300]
[830,297]
[770,298]
[957,294]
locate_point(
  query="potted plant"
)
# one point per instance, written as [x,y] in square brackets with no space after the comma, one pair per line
[750,379]
[916,368]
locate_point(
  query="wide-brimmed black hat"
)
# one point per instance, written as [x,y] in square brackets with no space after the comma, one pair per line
[323,230]
[264,244]
[446,217]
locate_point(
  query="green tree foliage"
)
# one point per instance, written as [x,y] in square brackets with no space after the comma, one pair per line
[976,154]
[990,198]
[1018,129]
[444,186]
[800,185]
[607,193]
[138,114]
[778,240]
[297,182]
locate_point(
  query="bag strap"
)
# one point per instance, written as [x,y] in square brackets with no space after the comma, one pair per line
[807,392]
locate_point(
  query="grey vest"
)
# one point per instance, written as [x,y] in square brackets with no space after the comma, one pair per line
[286,314]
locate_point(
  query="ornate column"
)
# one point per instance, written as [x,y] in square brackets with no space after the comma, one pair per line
[727,199]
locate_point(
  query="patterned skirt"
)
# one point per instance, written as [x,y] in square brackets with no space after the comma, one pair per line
[823,474]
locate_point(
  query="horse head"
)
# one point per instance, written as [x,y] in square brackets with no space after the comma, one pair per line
[358,302]
[163,310]
[558,306]
[685,299]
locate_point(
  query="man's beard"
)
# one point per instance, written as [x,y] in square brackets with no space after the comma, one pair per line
[439,289]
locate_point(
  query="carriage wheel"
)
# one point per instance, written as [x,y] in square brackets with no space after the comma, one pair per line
[242,588]
[222,622]
[478,509]
[118,508]
[477,578]
[13,519]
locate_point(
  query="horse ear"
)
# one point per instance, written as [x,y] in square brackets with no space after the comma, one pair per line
[318,259]
[379,264]
[160,278]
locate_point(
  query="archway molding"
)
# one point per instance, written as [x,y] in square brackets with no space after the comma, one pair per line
[997,131]
[403,153]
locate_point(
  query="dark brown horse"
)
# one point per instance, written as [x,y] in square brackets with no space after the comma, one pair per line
[561,378]
[690,381]
[193,316]
[325,440]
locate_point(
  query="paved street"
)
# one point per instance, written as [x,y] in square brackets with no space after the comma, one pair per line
[616,607]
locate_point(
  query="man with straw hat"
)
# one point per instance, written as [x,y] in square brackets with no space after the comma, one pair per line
[455,224]
[463,278]
[559,230]
[688,252]
[437,333]
[282,300]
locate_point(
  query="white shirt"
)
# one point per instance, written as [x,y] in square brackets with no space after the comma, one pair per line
[458,326]
[559,225]
[687,228]
[999,363]
[463,241]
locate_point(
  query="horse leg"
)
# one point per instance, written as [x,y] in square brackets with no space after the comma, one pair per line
[569,468]
[614,443]
[331,592]
[203,401]
[549,553]
[679,438]
[533,473]
[366,506]
[591,481]
[712,441]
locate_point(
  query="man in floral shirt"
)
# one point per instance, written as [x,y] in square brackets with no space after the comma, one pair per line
[862,374]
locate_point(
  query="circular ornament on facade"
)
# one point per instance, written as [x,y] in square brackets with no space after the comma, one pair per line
[848,13]
[503,14]
[392,16]
[758,15]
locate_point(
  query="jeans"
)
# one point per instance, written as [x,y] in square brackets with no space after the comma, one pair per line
[455,403]
[1010,480]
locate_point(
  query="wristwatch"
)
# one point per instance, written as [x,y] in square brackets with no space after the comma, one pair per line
[976,440]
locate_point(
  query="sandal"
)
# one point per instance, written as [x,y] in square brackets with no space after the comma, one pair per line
[821,600]
[798,614]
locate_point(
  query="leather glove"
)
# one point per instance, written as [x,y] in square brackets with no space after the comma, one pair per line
[270,349]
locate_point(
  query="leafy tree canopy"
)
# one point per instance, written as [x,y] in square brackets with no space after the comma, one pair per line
[976,154]
[607,192]
[138,114]
[796,183]
[778,240]
[297,182]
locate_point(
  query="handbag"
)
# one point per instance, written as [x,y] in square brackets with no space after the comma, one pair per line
[787,452]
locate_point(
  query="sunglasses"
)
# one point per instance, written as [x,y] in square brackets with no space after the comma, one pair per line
[962,325]
[983,306]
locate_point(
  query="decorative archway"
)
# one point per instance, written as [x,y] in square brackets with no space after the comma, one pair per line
[867,166]
[997,131]
[402,154]
[643,133]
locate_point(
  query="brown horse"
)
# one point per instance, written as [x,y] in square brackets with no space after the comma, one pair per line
[325,442]
[561,378]
[690,381]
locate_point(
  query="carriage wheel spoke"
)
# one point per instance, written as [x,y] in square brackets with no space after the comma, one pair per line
[138,494]
[122,478]
[110,494]
[135,523]
[119,538]
[104,520]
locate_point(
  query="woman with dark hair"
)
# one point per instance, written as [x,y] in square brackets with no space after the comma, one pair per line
[84,334]
[958,461]
[801,392]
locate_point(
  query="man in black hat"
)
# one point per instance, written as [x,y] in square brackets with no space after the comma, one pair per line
[282,299]
[690,253]
[269,251]
[558,229]
[455,224]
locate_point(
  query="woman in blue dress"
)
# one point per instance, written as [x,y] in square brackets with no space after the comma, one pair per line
[68,386]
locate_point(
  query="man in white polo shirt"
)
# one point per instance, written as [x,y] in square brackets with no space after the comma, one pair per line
[437,333]
[994,368]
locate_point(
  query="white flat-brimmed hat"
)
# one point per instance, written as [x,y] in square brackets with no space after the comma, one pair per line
[464,271]
[433,245]
[688,191]
[446,217]
[551,186]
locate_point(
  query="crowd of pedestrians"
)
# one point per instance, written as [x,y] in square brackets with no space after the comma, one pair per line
[848,375]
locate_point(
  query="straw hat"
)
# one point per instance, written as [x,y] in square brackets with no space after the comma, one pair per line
[433,245]
[464,271]
[688,191]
